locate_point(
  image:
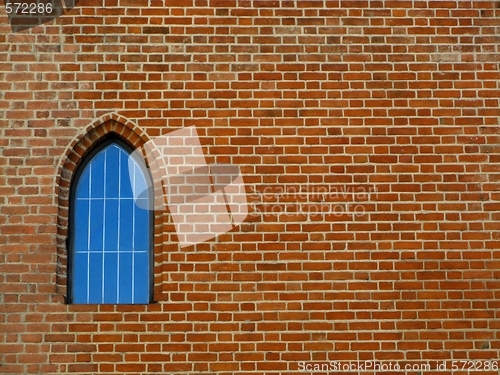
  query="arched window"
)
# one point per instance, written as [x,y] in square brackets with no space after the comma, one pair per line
[110,237]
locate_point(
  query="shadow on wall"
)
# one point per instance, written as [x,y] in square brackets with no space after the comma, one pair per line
[25,14]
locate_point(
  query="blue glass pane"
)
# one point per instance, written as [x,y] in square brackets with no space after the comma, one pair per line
[95,278]
[114,229]
[126,224]
[112,171]
[110,277]
[97,176]
[141,277]
[96,224]
[125,186]
[80,277]
[111,225]
[141,238]
[83,184]
[140,186]
[82,229]
[125,278]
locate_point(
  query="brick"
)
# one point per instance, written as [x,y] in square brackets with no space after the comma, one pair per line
[398,97]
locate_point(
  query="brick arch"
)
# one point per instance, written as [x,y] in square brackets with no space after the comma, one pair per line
[111,125]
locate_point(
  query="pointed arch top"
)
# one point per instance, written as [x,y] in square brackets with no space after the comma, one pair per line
[111,124]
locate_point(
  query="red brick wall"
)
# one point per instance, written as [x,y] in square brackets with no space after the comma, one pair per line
[386,112]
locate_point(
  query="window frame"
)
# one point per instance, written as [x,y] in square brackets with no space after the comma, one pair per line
[70,239]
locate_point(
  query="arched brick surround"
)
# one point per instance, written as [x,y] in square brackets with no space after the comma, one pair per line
[111,125]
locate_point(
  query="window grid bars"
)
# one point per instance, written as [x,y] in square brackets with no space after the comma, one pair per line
[118,230]
[89,232]
[104,226]
[133,239]
[89,235]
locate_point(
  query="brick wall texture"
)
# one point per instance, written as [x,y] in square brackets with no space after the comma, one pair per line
[366,131]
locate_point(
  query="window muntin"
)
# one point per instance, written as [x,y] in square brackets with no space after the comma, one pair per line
[111,234]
